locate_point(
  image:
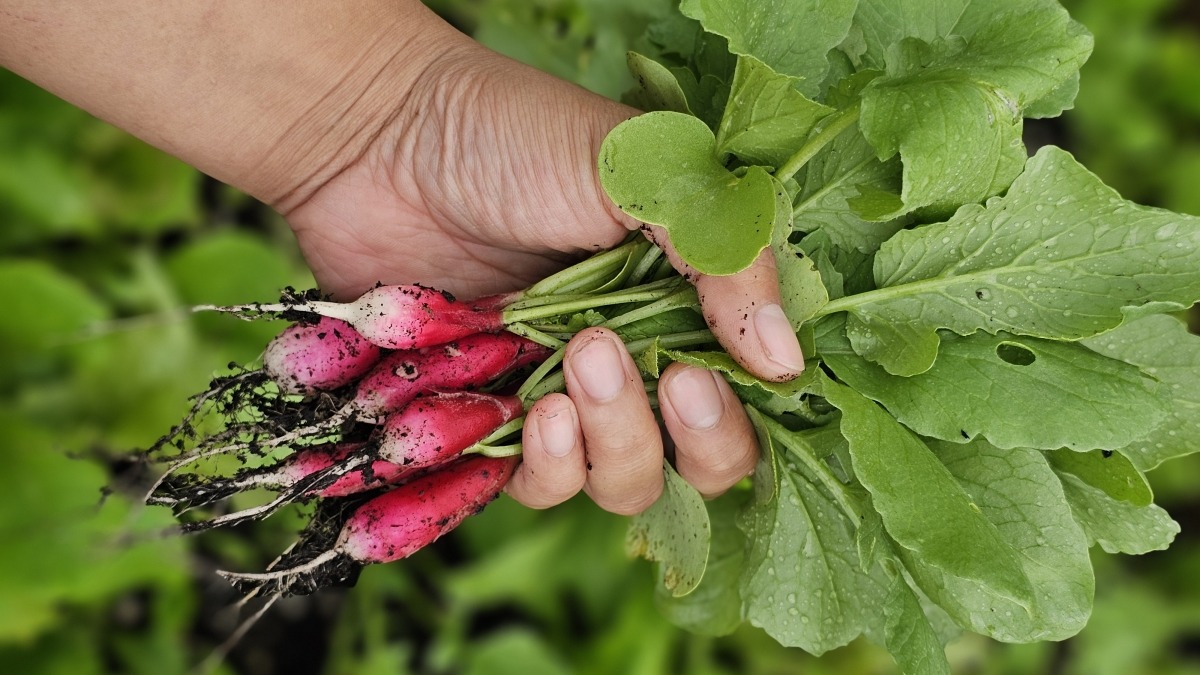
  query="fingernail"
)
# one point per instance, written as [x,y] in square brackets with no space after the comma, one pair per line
[696,399]
[557,431]
[777,338]
[599,368]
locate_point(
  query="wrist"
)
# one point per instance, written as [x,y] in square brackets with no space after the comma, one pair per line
[350,96]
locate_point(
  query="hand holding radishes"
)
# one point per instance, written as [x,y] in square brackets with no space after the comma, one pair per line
[398,149]
[354,398]
[502,211]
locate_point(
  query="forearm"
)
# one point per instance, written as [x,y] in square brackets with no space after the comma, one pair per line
[271,96]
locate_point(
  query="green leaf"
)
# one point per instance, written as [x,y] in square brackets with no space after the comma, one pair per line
[833,178]
[902,349]
[513,651]
[1110,472]
[943,529]
[145,190]
[1018,492]
[657,88]
[909,636]
[1058,101]
[700,63]
[951,104]
[886,22]
[59,541]
[584,44]
[801,285]
[722,362]
[844,271]
[1118,526]
[766,119]
[790,37]
[678,320]
[833,280]
[42,189]
[874,204]
[706,95]
[802,582]
[1061,256]
[675,532]
[715,607]
[227,268]
[648,361]
[1164,349]
[1015,392]
[46,307]
[230,268]
[661,168]
[674,35]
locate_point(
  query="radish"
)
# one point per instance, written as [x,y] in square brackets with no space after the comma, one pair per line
[399,377]
[394,317]
[392,526]
[396,380]
[469,363]
[329,354]
[429,431]
[304,359]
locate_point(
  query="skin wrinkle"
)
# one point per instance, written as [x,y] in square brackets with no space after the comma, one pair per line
[308,187]
[438,159]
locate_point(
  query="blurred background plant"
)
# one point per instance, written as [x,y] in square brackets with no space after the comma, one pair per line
[103,244]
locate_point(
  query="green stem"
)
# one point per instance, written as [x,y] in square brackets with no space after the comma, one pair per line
[837,123]
[611,280]
[543,300]
[486,448]
[849,302]
[539,374]
[663,269]
[645,265]
[610,261]
[819,468]
[534,335]
[504,430]
[557,381]
[689,338]
[645,293]
[511,450]
[685,297]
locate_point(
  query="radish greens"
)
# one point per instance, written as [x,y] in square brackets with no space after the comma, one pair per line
[993,360]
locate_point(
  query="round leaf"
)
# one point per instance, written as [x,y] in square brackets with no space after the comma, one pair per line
[662,169]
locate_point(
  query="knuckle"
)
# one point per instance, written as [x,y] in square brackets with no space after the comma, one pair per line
[631,504]
[535,492]
[716,466]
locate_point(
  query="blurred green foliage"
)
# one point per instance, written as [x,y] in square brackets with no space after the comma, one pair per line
[104,243]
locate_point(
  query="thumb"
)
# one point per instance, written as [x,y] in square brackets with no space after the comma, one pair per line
[745,313]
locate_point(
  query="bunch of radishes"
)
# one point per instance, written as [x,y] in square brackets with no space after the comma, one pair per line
[397,411]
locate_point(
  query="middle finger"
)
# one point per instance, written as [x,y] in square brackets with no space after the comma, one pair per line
[621,437]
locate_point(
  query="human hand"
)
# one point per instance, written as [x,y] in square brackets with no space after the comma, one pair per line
[483,180]
[401,151]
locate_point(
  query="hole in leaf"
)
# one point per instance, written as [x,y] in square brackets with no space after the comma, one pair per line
[1018,355]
